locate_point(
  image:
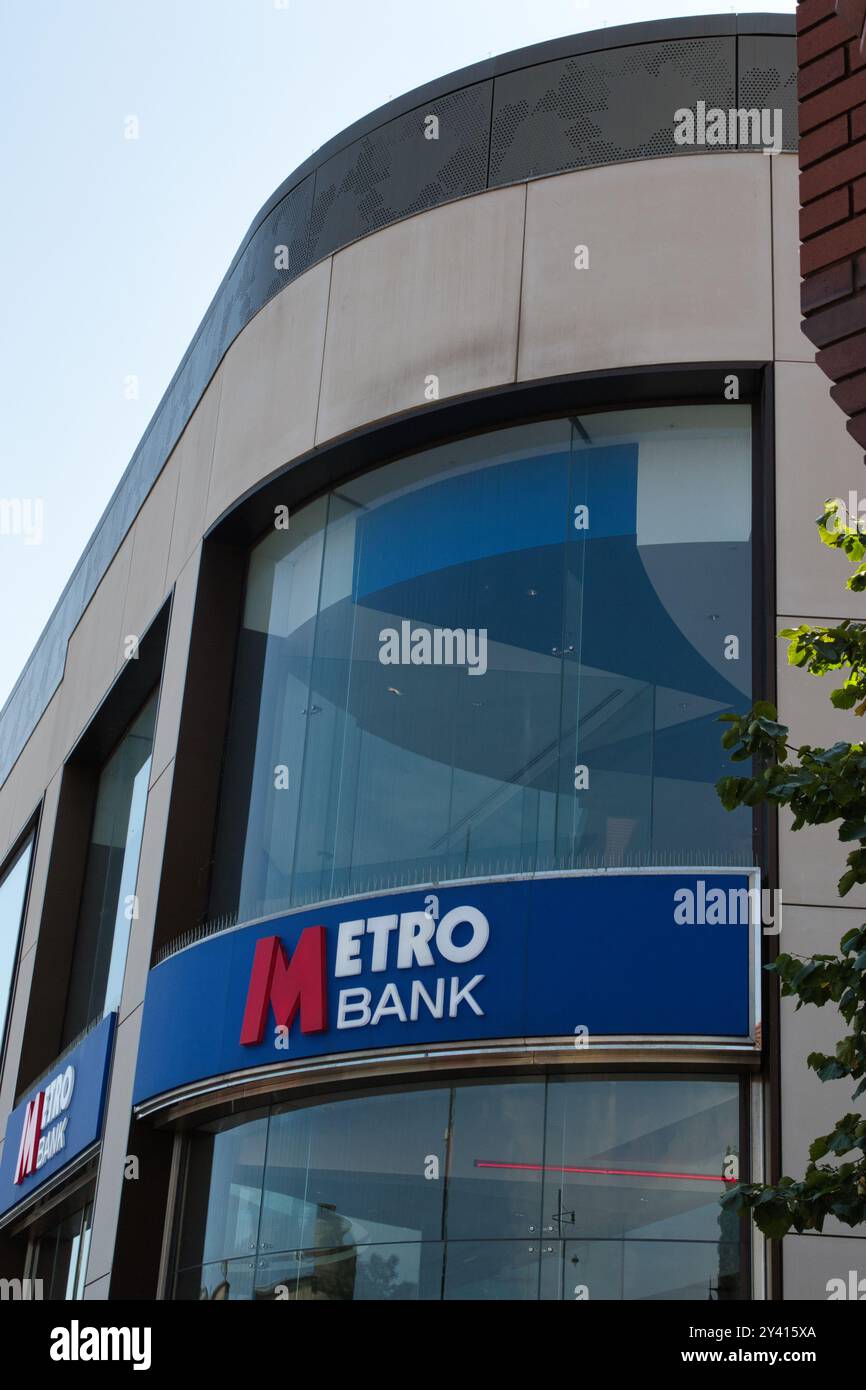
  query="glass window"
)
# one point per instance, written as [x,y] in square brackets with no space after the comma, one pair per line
[504,654]
[571,1187]
[357,1273]
[493,1270]
[13,897]
[607,1142]
[227,1281]
[102,937]
[497,1152]
[355,1172]
[60,1256]
[224,1191]
[635,1166]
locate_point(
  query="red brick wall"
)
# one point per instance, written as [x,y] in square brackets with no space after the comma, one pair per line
[832,110]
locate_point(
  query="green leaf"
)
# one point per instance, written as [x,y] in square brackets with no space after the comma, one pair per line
[773,1219]
[843,698]
[763,709]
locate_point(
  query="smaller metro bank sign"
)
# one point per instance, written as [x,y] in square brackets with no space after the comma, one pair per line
[58,1119]
[609,954]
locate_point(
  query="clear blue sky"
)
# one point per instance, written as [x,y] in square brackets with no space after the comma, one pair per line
[112,248]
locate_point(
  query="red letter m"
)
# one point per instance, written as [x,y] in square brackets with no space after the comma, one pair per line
[287,986]
[30,1133]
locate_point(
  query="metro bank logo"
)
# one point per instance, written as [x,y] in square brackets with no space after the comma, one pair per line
[57,1119]
[38,1142]
[298,986]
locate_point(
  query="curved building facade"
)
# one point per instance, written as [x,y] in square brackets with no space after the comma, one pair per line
[371,926]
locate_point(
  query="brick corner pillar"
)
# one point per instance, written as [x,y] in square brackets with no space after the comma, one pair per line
[831,86]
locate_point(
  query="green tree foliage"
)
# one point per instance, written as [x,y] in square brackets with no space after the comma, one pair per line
[821,786]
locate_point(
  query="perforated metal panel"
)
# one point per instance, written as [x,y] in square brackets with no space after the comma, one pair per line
[767,78]
[600,108]
[396,170]
[284,235]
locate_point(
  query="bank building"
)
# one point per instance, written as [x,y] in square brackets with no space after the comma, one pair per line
[329,977]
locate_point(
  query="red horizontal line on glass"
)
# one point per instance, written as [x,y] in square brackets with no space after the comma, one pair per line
[604,1172]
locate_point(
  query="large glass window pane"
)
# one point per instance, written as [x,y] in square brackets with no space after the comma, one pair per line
[494,1172]
[639,1158]
[443,768]
[272,710]
[508,653]
[659,617]
[638,1270]
[13,895]
[226,1281]
[576,1187]
[630,1161]
[359,1171]
[110,876]
[223,1191]
[359,1273]
[492,1270]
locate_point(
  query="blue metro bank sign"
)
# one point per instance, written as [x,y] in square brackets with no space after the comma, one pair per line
[656,955]
[58,1119]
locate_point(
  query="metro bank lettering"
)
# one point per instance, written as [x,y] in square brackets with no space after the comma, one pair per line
[516,959]
[38,1143]
[301,984]
[58,1119]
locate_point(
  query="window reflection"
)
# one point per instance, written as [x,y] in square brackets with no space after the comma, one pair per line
[493,1270]
[104,919]
[574,1187]
[225,1281]
[641,1270]
[373,1273]
[502,1126]
[223,1191]
[353,1172]
[607,564]
[606,1141]
[13,895]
